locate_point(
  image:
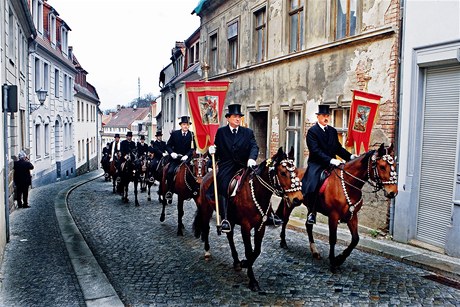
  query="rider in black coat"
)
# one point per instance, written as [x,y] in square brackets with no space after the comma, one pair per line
[323,146]
[158,149]
[128,148]
[235,148]
[142,148]
[181,142]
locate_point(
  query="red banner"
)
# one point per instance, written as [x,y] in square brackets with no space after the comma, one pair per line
[206,101]
[363,112]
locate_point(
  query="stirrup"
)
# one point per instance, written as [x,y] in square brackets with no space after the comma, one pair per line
[227,228]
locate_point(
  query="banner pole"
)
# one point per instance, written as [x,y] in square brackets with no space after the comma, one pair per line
[216,196]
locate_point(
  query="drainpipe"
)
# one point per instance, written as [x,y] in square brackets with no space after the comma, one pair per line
[399,96]
[5,151]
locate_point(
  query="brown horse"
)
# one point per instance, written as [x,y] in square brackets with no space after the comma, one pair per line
[187,182]
[340,198]
[250,207]
[113,172]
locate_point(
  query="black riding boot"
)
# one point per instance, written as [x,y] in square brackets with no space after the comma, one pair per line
[311,203]
[225,224]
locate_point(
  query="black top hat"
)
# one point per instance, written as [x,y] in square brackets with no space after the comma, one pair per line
[117,135]
[234,109]
[184,119]
[142,137]
[323,109]
[158,133]
[129,133]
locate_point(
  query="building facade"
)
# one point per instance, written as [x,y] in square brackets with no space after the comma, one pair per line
[427,210]
[285,57]
[86,144]
[51,125]
[18,31]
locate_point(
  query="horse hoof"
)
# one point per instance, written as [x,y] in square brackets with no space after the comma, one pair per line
[180,233]
[162,218]
[244,264]
[237,266]
[137,205]
[207,256]
[254,286]
[283,245]
[149,199]
[317,256]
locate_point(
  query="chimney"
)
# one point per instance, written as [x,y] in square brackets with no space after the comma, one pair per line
[118,107]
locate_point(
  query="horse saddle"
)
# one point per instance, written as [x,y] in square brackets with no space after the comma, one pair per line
[322,179]
[235,182]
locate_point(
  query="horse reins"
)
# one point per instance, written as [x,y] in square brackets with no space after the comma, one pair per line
[200,168]
[296,185]
[377,183]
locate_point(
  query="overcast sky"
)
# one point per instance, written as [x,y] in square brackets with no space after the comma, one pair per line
[119,41]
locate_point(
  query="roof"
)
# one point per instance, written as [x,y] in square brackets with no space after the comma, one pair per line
[126,116]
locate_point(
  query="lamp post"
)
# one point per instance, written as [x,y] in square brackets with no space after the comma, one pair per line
[41,95]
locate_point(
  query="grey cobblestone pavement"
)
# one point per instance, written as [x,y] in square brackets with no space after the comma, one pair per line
[36,269]
[148,265]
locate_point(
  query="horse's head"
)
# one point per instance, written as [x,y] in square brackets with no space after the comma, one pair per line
[286,175]
[382,170]
[198,166]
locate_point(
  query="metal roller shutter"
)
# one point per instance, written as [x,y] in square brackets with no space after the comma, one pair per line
[439,152]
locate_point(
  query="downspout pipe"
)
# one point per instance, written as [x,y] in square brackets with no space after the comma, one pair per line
[399,97]
[6,161]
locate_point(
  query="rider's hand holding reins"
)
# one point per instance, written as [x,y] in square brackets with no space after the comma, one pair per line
[184,158]
[335,162]
[173,155]
[252,163]
[353,156]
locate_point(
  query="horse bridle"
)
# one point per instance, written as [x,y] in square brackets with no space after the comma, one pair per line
[275,186]
[200,172]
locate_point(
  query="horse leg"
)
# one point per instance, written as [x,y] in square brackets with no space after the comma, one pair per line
[180,214]
[286,213]
[333,223]
[251,255]
[149,186]
[125,193]
[136,201]
[353,227]
[236,261]
[313,249]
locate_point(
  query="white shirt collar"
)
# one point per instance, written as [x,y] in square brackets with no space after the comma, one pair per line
[322,127]
[231,129]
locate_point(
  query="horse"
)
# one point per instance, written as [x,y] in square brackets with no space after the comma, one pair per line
[250,207]
[105,162]
[187,182]
[340,198]
[127,174]
[113,172]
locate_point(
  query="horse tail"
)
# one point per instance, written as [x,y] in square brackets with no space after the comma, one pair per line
[197,224]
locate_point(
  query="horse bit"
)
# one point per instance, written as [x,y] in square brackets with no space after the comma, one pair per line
[296,185]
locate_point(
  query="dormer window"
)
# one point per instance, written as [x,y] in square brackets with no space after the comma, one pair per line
[37,14]
[64,40]
[52,29]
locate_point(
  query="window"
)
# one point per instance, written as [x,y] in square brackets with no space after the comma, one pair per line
[340,122]
[191,55]
[213,53]
[233,46]
[38,140]
[296,19]
[64,42]
[11,40]
[346,18]
[23,50]
[293,133]
[52,29]
[79,151]
[260,33]
[37,74]
[47,140]
[46,77]
[56,83]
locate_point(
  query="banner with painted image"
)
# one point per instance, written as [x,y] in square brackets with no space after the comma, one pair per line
[206,102]
[363,112]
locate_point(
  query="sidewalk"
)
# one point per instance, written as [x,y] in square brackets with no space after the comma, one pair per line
[443,265]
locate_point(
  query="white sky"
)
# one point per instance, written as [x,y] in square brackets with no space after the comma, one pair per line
[119,41]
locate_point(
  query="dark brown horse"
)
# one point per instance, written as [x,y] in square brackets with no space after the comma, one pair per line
[113,172]
[341,198]
[187,182]
[250,207]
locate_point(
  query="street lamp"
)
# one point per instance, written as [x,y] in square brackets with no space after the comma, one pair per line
[41,95]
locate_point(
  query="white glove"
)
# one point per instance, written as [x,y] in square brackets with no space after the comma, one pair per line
[353,156]
[173,155]
[209,169]
[184,158]
[165,154]
[252,162]
[335,162]
[212,149]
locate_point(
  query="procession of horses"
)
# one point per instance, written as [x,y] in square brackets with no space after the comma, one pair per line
[340,196]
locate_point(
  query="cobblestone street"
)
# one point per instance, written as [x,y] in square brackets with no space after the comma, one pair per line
[149,265]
